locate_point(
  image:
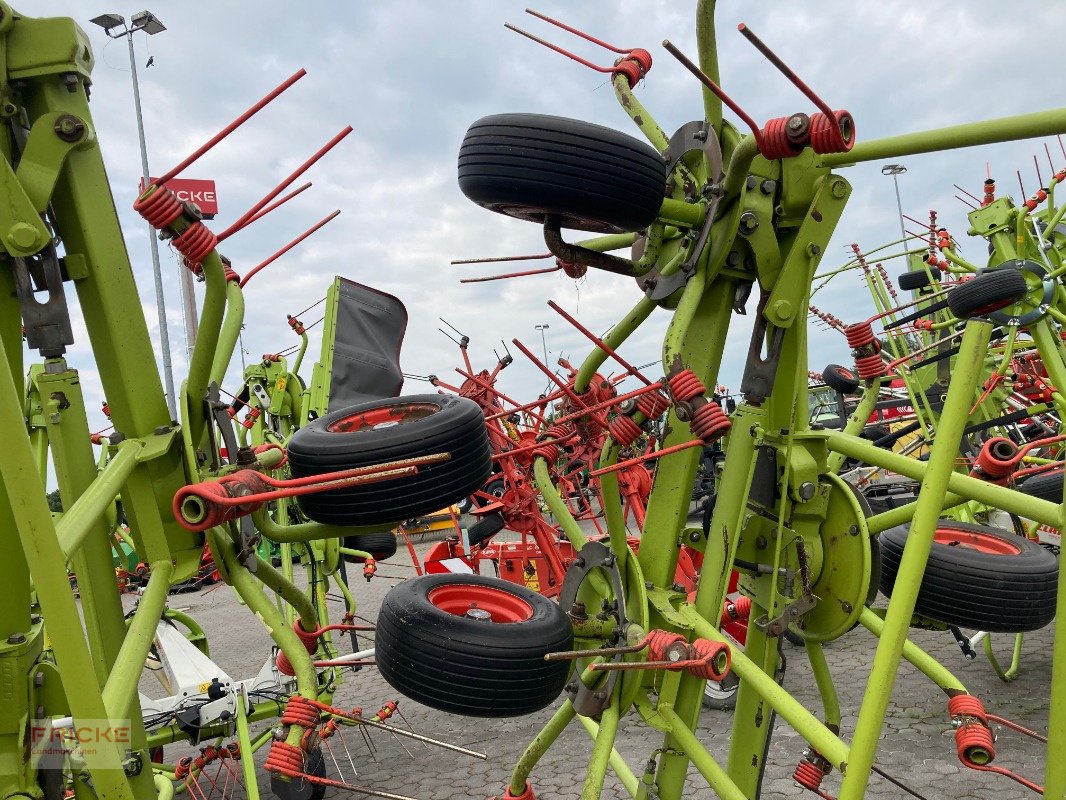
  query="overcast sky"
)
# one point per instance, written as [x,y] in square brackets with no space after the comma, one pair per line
[410,77]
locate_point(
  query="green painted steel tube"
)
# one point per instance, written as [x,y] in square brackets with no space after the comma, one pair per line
[857,421]
[824,680]
[539,746]
[739,164]
[615,337]
[120,691]
[78,521]
[791,710]
[1002,129]
[879,523]
[1055,771]
[639,114]
[601,750]
[612,498]
[967,372]
[300,354]
[203,351]
[618,764]
[244,739]
[682,214]
[707,47]
[229,332]
[308,531]
[165,787]
[720,782]
[983,492]
[251,592]
[304,606]
[556,505]
[921,660]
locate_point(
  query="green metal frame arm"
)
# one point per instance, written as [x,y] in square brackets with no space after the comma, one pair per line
[707,46]
[309,531]
[120,691]
[78,520]
[1002,129]
[229,332]
[925,663]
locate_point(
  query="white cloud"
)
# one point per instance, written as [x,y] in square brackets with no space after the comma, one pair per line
[410,77]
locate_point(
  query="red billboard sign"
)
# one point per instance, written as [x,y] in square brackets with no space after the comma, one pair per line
[191,190]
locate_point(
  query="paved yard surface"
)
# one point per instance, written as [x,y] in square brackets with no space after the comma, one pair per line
[917,748]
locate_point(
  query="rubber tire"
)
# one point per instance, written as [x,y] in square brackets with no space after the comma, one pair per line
[994,592]
[918,279]
[457,426]
[1045,485]
[380,545]
[465,505]
[532,166]
[469,667]
[988,292]
[841,379]
[485,528]
[721,699]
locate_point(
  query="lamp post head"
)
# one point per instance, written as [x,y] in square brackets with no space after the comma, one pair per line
[541,327]
[893,169]
[148,22]
[108,21]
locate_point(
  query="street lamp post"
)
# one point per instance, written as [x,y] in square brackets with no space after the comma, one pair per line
[543,340]
[895,170]
[147,22]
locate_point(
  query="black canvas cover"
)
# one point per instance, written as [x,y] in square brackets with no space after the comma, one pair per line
[368,333]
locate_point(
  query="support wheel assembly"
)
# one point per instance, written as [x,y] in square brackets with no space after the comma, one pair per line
[393,430]
[532,166]
[472,645]
[979,577]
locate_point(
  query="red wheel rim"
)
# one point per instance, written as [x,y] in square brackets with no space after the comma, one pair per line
[976,540]
[460,598]
[845,373]
[385,417]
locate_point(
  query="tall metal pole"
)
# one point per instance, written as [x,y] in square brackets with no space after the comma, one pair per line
[543,341]
[161,309]
[895,170]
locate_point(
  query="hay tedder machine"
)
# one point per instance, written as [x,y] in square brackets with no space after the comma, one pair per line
[707,221]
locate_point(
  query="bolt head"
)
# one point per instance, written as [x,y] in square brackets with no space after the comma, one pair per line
[807,490]
[22,235]
[16,638]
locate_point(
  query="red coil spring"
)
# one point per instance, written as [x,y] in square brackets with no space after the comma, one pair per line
[624,430]
[295,324]
[870,367]
[571,269]
[658,643]
[685,385]
[738,610]
[775,141]
[183,767]
[230,273]
[233,750]
[808,775]
[710,422]
[309,639]
[652,405]
[548,451]
[286,759]
[160,208]
[300,711]
[943,239]
[859,335]
[973,738]
[195,243]
[826,133]
[997,460]
[709,650]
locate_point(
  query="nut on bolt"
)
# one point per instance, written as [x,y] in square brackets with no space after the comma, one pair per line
[749,221]
[69,128]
